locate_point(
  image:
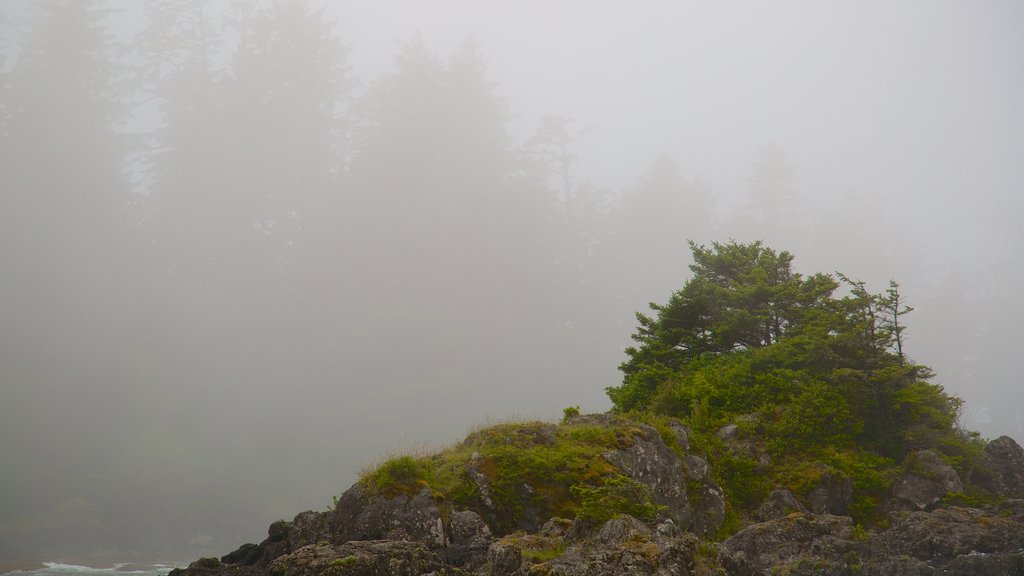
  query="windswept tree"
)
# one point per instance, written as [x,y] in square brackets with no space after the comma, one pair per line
[749,334]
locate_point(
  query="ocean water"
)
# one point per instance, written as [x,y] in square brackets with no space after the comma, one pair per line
[58,569]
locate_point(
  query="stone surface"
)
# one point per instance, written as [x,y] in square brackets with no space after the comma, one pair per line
[832,495]
[649,461]
[779,503]
[1002,468]
[367,558]
[787,542]
[421,534]
[927,480]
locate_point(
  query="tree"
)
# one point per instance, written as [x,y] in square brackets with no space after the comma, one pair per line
[746,333]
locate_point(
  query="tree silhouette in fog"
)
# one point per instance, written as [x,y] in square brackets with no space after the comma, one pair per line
[656,219]
[67,256]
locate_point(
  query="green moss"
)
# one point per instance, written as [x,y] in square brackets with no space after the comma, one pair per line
[399,475]
[545,554]
[344,561]
[547,459]
[616,495]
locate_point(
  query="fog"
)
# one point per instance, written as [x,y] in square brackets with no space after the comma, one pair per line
[247,248]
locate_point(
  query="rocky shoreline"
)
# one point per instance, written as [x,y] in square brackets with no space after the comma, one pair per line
[421,533]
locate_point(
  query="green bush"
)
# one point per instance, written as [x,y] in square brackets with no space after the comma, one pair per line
[616,495]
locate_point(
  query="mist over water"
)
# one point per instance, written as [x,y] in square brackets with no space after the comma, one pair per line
[249,247]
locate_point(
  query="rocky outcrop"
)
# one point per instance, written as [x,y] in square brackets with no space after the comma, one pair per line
[779,503]
[413,531]
[928,478]
[783,544]
[622,546]
[1002,468]
[360,558]
[832,495]
[360,516]
[707,497]
[650,462]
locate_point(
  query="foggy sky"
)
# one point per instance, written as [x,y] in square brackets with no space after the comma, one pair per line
[242,328]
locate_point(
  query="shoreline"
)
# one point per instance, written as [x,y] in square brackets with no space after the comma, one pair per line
[20,565]
[25,565]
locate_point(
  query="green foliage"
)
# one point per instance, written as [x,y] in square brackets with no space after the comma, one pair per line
[616,495]
[550,459]
[399,475]
[539,555]
[747,334]
[343,561]
[570,412]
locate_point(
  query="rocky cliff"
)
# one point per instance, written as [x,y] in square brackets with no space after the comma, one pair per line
[600,495]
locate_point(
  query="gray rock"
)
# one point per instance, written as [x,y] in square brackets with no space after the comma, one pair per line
[941,535]
[556,527]
[371,558]
[504,559]
[787,542]
[619,530]
[360,516]
[832,495]
[898,566]
[708,509]
[927,480]
[982,564]
[624,546]
[727,432]
[682,434]
[245,554]
[696,468]
[468,540]
[779,503]
[652,463]
[1002,468]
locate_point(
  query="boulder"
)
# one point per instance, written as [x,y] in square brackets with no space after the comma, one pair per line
[786,543]
[245,554]
[652,463]
[416,517]
[624,546]
[468,540]
[368,558]
[832,495]
[1002,468]
[942,535]
[928,478]
[708,509]
[779,503]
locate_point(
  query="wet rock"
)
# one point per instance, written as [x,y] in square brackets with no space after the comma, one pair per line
[779,503]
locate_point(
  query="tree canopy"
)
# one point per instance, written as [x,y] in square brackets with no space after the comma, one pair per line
[823,365]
